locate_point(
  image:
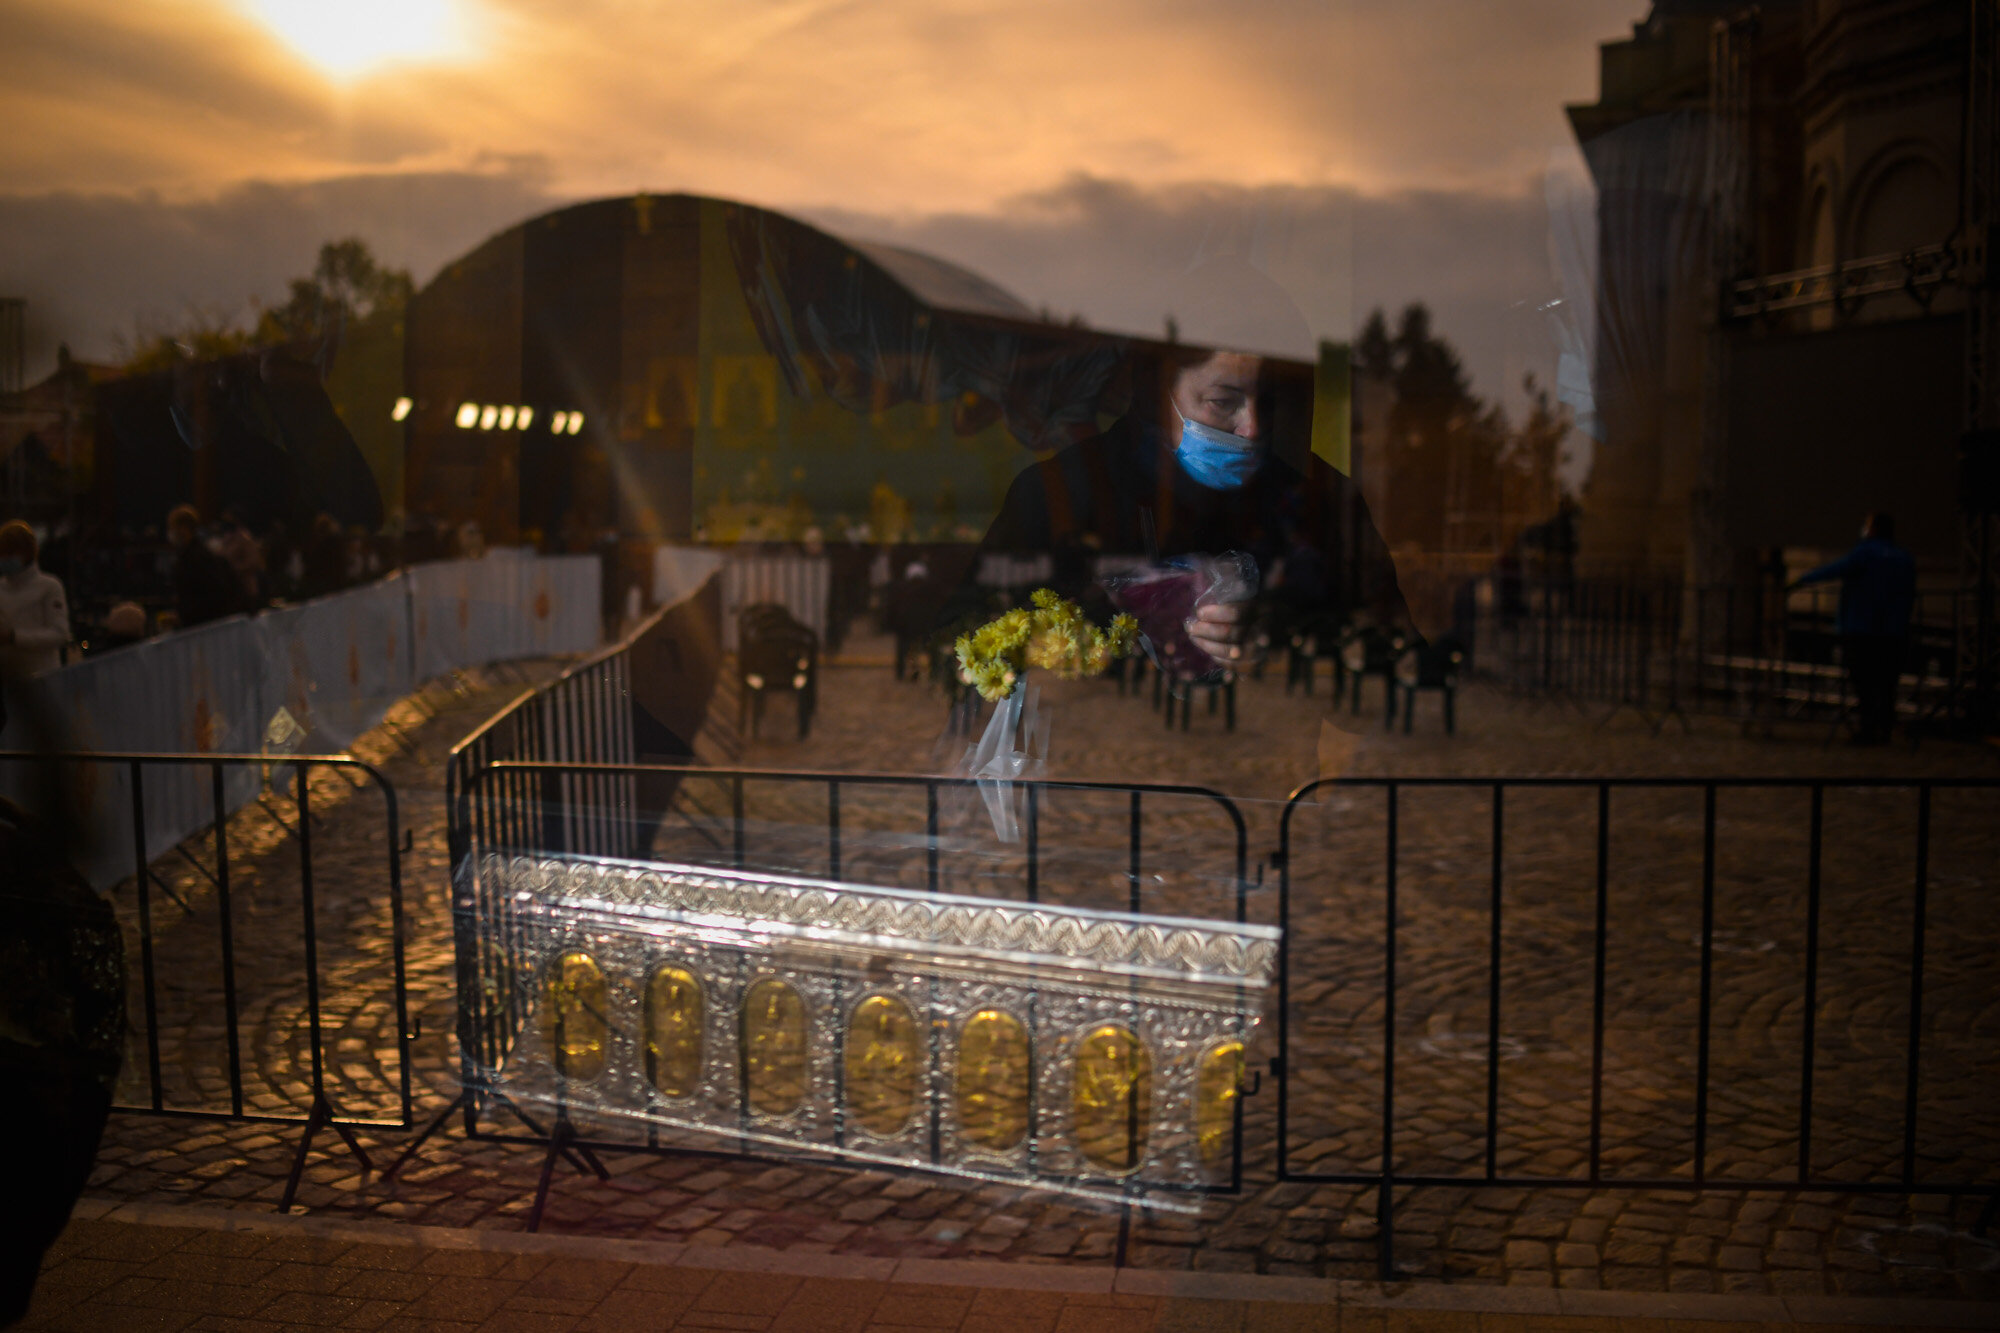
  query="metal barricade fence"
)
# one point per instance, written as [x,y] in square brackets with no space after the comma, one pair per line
[1472,884]
[1665,649]
[502,807]
[583,714]
[795,581]
[178,992]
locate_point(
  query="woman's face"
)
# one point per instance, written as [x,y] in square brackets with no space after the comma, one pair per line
[1219,392]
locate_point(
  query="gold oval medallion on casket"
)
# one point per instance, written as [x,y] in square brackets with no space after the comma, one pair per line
[675,1006]
[993,1084]
[774,1048]
[1111,1098]
[1216,1086]
[573,1015]
[883,1058]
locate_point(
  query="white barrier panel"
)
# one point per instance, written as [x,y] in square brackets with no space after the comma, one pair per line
[199,691]
[997,569]
[461,608]
[510,604]
[797,582]
[679,571]
[340,662]
[334,665]
[564,598]
[440,616]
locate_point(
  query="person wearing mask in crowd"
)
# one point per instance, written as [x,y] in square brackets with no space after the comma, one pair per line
[245,556]
[124,625]
[420,539]
[364,562]
[281,562]
[325,568]
[1878,593]
[1193,469]
[34,613]
[205,587]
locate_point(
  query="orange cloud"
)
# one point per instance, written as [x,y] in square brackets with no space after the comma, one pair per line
[917,106]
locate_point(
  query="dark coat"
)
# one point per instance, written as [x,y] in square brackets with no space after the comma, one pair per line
[1123,493]
[1878,588]
[205,587]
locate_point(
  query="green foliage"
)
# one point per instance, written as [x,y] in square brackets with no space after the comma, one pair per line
[1461,476]
[347,288]
[202,338]
[1053,636]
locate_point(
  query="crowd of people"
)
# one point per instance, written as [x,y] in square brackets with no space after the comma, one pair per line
[206,570]
[224,569]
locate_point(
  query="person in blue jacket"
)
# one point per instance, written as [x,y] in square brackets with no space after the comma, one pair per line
[1878,591]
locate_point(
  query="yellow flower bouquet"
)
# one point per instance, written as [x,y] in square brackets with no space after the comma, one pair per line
[1051,635]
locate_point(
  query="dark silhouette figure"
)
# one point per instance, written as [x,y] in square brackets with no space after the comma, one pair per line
[62,1020]
[325,563]
[205,587]
[1878,591]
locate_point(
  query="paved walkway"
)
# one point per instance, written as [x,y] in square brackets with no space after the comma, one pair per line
[1560,1241]
[164,1270]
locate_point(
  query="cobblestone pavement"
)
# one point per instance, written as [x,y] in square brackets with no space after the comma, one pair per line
[1659,1240]
[190,1269]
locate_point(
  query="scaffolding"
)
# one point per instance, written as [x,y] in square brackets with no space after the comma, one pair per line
[13,342]
[1978,670]
[1727,202]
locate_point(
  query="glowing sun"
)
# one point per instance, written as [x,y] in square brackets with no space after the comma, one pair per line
[348,38]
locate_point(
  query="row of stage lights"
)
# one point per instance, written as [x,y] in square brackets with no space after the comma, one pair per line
[490,416]
[495,416]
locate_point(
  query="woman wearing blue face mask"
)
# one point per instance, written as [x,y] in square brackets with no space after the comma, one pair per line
[34,613]
[1218,446]
[1213,457]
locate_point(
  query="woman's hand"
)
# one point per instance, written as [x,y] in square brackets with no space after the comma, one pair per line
[1219,629]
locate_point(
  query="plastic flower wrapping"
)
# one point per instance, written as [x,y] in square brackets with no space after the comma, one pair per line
[1052,634]
[1161,600]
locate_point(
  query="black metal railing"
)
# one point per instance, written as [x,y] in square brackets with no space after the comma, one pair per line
[1781,886]
[585,714]
[1666,649]
[500,807]
[193,962]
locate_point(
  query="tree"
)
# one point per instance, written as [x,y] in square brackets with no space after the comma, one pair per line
[347,288]
[1461,477]
[1374,353]
[203,337]
[1535,453]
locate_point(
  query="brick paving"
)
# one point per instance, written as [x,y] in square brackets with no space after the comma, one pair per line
[195,1270]
[1672,1240]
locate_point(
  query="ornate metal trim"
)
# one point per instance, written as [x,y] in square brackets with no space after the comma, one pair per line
[1179,985]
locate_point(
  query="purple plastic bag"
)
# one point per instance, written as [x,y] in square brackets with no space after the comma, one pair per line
[1164,597]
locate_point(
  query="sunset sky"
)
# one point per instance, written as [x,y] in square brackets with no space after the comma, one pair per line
[189,155]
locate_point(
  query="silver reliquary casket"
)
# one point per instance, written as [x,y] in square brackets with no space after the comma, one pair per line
[1095,1052]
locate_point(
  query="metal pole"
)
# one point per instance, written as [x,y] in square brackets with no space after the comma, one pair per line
[1493,992]
[229,1014]
[1597,983]
[144,882]
[1385,1208]
[1808,1038]
[1703,1015]
[1916,1037]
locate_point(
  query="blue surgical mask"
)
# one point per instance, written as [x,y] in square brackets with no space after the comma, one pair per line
[1215,458]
